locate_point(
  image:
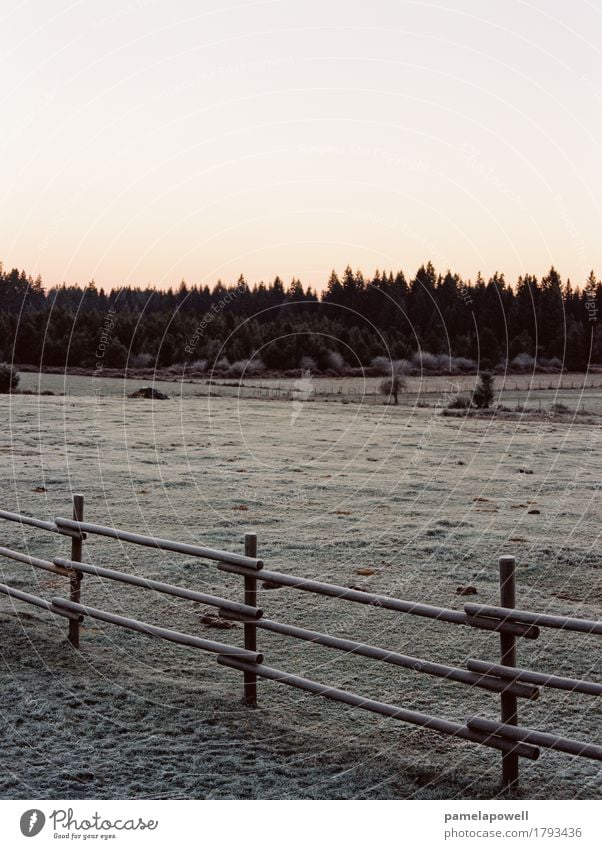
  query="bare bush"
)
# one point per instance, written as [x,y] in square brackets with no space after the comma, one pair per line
[382,365]
[252,366]
[198,366]
[483,394]
[255,365]
[459,402]
[9,378]
[142,360]
[335,361]
[392,386]
[307,364]
[552,365]
[463,365]
[425,361]
[523,362]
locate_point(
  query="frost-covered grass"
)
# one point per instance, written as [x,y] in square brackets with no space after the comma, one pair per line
[425,503]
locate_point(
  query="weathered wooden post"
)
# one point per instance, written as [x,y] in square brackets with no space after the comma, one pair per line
[250,678]
[76,577]
[509,707]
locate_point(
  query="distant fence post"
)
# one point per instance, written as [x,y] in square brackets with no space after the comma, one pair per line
[509,707]
[76,577]
[250,678]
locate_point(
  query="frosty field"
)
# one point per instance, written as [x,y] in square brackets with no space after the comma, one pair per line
[422,502]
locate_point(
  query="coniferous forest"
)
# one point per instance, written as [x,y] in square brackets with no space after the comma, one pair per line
[533,323]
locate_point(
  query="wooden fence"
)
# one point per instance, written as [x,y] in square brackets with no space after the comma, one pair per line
[506,679]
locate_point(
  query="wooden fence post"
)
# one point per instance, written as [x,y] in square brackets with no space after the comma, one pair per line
[509,707]
[250,678]
[76,578]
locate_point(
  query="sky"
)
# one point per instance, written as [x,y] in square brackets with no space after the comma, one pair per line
[146,141]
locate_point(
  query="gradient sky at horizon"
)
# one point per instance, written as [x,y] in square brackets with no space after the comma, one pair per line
[149,142]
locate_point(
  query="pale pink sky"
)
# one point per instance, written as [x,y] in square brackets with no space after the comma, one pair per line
[149,142]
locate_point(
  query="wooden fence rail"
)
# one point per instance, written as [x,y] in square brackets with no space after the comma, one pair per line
[13,592]
[564,623]
[514,673]
[441,614]
[158,586]
[443,726]
[418,664]
[506,679]
[63,604]
[157,542]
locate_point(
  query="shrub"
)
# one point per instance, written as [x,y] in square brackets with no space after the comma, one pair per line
[523,362]
[460,402]
[248,367]
[483,394]
[237,369]
[255,365]
[551,365]
[392,386]
[9,378]
[199,366]
[463,364]
[307,364]
[382,365]
[334,361]
[425,361]
[222,364]
[440,363]
[143,360]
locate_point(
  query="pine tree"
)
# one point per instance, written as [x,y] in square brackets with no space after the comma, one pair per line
[483,394]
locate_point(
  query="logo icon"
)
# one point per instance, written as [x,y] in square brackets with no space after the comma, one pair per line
[32,822]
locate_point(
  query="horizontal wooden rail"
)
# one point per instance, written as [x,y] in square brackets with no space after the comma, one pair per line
[529,632]
[28,520]
[537,738]
[526,617]
[443,726]
[38,602]
[416,664]
[156,631]
[514,673]
[158,586]
[162,544]
[442,614]
[37,523]
[33,561]
[237,617]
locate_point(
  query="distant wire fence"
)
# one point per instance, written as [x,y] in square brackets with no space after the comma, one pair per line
[506,679]
[416,392]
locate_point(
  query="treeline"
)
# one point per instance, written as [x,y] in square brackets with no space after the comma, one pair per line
[351,324]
